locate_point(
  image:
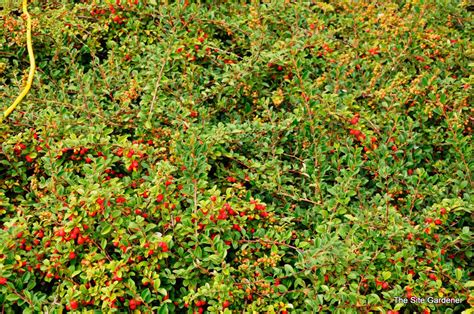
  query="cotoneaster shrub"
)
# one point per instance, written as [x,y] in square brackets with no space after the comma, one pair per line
[279,158]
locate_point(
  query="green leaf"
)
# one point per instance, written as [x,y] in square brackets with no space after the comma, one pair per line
[77,272]
[106,229]
[157,283]
[162,291]
[12,297]
[163,309]
[28,310]
[146,295]
[373,299]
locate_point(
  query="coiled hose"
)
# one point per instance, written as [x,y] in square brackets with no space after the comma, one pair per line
[31,55]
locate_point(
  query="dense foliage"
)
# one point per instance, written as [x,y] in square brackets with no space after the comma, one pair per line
[279,157]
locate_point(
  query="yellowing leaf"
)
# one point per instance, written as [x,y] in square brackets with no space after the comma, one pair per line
[277,97]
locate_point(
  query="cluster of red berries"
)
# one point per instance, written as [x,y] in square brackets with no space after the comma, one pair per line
[278,67]
[113,10]
[133,304]
[163,246]
[261,208]
[436,221]
[383,284]
[224,212]
[20,147]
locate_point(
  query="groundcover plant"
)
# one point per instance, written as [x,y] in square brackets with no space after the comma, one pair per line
[236,157]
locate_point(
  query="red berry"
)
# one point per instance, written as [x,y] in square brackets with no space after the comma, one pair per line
[73,305]
[72,255]
[225,304]
[442,211]
[236,227]
[178,219]
[355,120]
[438,221]
[354,132]
[385,285]
[429,220]
[61,233]
[3,281]
[222,216]
[163,246]
[133,166]
[432,276]
[28,158]
[159,198]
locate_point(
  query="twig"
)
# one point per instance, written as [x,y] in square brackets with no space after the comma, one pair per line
[272,242]
[160,75]
[299,199]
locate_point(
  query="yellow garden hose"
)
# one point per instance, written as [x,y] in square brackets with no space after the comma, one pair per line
[32,64]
